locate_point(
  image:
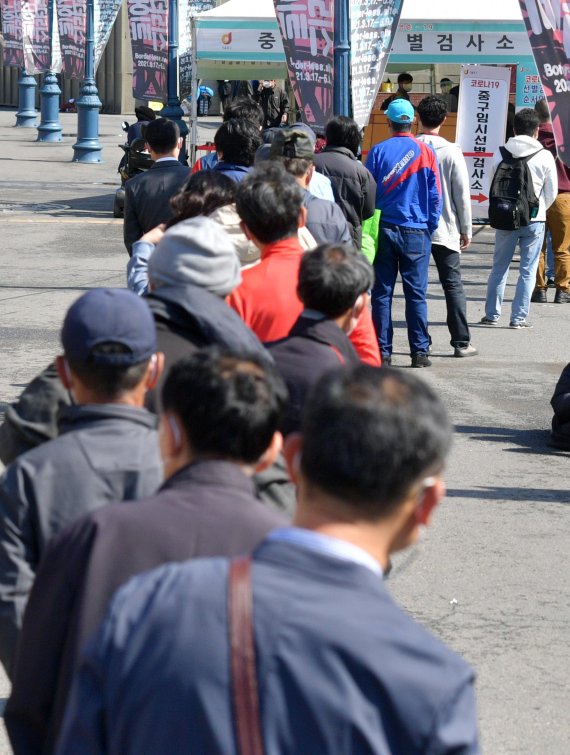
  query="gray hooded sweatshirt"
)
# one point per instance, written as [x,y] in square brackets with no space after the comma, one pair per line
[456,198]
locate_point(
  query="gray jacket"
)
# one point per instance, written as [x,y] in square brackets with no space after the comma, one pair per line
[455,193]
[104,453]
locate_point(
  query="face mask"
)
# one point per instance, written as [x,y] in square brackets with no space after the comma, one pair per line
[267,85]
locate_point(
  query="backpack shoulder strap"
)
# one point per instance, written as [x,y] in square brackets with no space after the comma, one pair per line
[529,157]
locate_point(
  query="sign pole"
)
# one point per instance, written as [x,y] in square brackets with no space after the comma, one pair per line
[49,129]
[341,85]
[173,111]
[87,148]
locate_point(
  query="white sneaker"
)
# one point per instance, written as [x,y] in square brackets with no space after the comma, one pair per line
[465,351]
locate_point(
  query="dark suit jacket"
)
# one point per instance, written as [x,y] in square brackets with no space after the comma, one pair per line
[147,198]
[341,669]
[206,509]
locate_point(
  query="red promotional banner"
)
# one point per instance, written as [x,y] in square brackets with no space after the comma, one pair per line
[548,26]
[12,51]
[71,24]
[308,33]
[148,22]
[35,36]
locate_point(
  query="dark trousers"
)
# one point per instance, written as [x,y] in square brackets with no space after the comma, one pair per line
[449,271]
[405,250]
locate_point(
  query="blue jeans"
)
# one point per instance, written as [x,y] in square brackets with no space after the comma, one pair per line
[529,239]
[406,250]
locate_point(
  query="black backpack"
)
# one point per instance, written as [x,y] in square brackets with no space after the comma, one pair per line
[512,201]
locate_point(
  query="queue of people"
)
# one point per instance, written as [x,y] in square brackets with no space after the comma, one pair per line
[229,433]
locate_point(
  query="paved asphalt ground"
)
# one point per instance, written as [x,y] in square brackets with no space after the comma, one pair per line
[491,577]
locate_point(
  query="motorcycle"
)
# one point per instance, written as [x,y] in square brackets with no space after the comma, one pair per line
[135,160]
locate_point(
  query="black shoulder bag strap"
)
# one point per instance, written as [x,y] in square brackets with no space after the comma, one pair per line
[245,695]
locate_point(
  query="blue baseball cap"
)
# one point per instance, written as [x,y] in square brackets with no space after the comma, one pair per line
[400,111]
[109,315]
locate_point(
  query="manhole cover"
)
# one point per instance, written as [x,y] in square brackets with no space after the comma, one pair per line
[32,207]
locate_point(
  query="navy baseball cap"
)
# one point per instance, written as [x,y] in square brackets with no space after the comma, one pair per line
[109,315]
[400,111]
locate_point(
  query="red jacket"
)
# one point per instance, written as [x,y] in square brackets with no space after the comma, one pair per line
[267,299]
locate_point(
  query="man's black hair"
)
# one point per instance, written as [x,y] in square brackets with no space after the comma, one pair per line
[161,135]
[332,277]
[342,131]
[269,201]
[238,140]
[246,108]
[542,110]
[526,122]
[230,404]
[204,192]
[370,434]
[404,78]
[108,381]
[296,166]
[401,128]
[432,111]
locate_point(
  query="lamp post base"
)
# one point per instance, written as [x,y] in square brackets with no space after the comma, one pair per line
[87,148]
[27,115]
[49,129]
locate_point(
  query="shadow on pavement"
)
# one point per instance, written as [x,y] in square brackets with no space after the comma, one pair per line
[529,441]
[510,494]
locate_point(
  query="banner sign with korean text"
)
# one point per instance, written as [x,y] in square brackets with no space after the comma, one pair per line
[373,24]
[71,25]
[481,123]
[148,23]
[35,36]
[105,15]
[441,44]
[188,9]
[307,32]
[548,25]
[12,50]
[529,88]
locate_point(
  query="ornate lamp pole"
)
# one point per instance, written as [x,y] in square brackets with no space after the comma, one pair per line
[49,129]
[27,115]
[87,148]
[173,111]
[341,88]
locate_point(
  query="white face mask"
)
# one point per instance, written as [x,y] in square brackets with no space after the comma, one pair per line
[267,85]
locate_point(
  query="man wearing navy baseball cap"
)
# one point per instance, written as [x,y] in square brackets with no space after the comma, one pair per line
[107,449]
[408,196]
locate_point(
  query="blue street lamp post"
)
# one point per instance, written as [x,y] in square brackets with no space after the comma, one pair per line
[49,129]
[341,86]
[87,148]
[173,111]
[27,115]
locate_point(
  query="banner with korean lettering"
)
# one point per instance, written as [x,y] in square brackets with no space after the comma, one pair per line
[12,50]
[188,9]
[71,25]
[105,15]
[548,26]
[529,89]
[481,123]
[35,36]
[148,23]
[373,24]
[307,32]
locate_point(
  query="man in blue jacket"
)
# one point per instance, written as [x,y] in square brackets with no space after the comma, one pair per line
[339,667]
[408,195]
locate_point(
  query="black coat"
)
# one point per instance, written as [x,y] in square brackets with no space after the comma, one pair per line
[560,402]
[311,348]
[353,186]
[274,103]
[206,509]
[147,198]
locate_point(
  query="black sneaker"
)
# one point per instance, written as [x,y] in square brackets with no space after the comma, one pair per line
[520,324]
[487,321]
[386,360]
[420,360]
[539,296]
[561,297]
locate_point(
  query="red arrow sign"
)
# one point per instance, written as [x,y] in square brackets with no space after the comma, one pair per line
[478,198]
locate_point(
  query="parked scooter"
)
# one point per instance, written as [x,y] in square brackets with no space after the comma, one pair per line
[134,161]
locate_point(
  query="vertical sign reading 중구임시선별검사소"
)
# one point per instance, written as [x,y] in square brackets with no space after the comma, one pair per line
[12,51]
[373,25]
[148,23]
[548,26]
[307,32]
[481,123]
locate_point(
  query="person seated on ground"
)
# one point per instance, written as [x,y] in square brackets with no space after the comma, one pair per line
[147,196]
[560,402]
[237,141]
[293,148]
[107,449]
[353,185]
[221,414]
[334,282]
[336,666]
[144,116]
[270,204]
[237,107]
[405,81]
